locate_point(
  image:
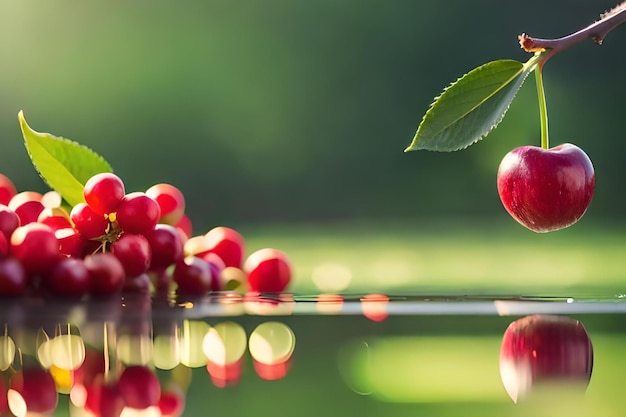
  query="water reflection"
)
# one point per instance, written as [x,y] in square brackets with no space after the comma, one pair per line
[544,352]
[375,307]
[392,352]
[131,356]
[542,355]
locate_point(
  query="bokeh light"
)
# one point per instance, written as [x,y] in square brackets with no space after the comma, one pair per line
[272,342]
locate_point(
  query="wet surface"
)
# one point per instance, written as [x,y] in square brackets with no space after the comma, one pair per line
[367,354]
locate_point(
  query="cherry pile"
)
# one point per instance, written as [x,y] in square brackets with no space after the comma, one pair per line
[116,241]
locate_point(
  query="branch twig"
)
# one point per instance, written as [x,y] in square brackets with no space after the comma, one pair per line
[597,31]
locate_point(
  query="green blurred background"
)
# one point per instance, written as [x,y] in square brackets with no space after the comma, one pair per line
[293,110]
[297,112]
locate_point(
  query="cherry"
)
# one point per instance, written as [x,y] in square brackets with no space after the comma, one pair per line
[7,189]
[234,279]
[268,270]
[184,225]
[51,199]
[55,217]
[71,243]
[171,201]
[540,350]
[137,213]
[225,242]
[32,390]
[69,278]
[546,189]
[193,276]
[134,253]
[36,246]
[90,225]
[13,278]
[166,244]
[9,221]
[104,192]
[106,274]
[228,244]
[140,387]
[217,266]
[4,246]
[27,205]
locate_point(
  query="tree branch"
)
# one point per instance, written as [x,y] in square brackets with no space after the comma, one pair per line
[596,32]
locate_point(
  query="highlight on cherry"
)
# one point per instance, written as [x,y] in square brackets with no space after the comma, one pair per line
[543,188]
[91,237]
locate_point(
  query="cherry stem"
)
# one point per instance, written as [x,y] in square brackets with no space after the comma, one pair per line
[543,109]
[597,31]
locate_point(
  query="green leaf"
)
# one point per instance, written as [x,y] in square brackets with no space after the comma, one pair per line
[63,164]
[468,109]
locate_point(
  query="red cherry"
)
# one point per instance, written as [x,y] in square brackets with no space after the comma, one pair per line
[185,226]
[90,225]
[55,217]
[193,276]
[71,243]
[7,189]
[106,274]
[51,199]
[268,270]
[69,277]
[140,387]
[166,245]
[137,213]
[546,190]
[217,266]
[540,350]
[227,243]
[134,253]
[4,246]
[36,246]
[104,192]
[13,278]
[27,205]
[9,221]
[171,201]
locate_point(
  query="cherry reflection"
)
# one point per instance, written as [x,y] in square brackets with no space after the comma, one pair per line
[544,352]
[224,345]
[374,307]
[329,304]
[133,356]
[269,304]
[271,346]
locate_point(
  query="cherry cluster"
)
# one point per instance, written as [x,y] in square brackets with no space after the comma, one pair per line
[116,241]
